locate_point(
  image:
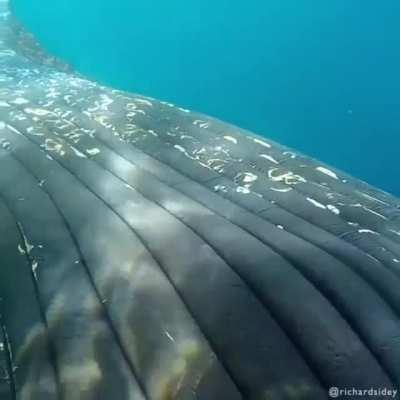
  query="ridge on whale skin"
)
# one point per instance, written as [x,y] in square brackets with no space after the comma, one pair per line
[148,252]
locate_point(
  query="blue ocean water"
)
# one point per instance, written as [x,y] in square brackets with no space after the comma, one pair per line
[320,76]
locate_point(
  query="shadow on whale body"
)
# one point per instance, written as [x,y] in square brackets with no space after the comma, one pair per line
[149,252]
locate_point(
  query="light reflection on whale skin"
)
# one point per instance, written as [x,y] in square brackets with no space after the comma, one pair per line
[152,252]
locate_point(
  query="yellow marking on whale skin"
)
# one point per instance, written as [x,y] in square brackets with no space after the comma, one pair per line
[170,386]
[83,376]
[102,120]
[34,340]
[53,145]
[295,391]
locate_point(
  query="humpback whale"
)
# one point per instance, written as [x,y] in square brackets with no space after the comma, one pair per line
[150,252]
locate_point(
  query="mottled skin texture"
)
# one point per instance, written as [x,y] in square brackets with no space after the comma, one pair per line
[148,252]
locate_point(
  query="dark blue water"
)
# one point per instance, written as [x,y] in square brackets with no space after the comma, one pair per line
[319,75]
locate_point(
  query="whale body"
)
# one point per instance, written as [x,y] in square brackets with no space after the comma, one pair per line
[150,252]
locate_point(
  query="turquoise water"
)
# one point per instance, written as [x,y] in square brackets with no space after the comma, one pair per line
[319,75]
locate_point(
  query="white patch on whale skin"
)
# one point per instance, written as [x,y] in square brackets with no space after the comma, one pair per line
[242,189]
[248,177]
[9,53]
[187,137]
[37,111]
[316,203]
[368,231]
[105,102]
[77,152]
[220,188]
[92,152]
[261,142]
[68,98]
[231,139]
[367,196]
[269,158]
[333,209]
[181,149]
[26,247]
[185,110]
[201,124]
[53,145]
[52,94]
[169,336]
[5,144]
[35,265]
[245,179]
[290,154]
[353,223]
[20,101]
[145,102]
[375,213]
[359,205]
[21,249]
[102,120]
[289,178]
[281,190]
[327,171]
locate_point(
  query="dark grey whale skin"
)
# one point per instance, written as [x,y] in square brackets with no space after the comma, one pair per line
[148,252]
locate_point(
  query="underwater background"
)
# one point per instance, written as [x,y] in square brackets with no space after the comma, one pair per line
[320,76]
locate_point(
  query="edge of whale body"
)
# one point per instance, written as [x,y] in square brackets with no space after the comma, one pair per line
[148,252]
